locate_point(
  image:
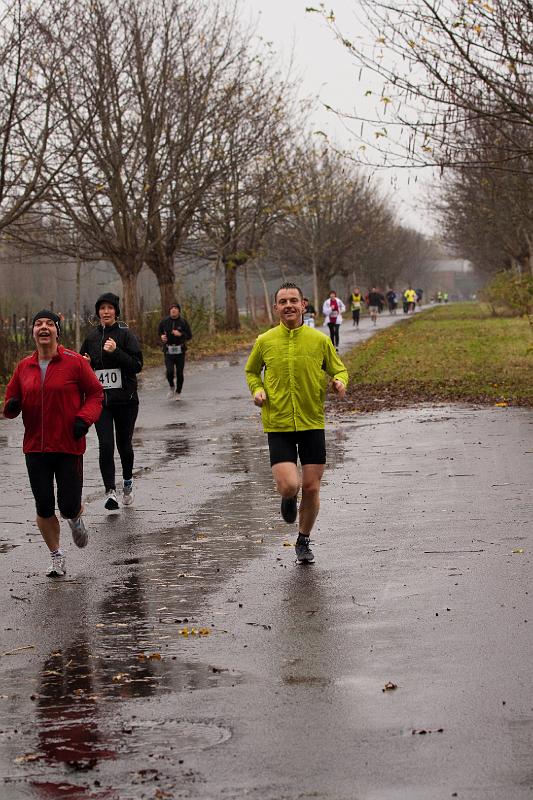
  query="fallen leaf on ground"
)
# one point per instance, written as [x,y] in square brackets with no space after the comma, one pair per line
[28,757]
[119,677]
[389,687]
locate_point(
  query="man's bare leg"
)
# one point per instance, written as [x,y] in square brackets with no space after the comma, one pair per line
[310,504]
[287,478]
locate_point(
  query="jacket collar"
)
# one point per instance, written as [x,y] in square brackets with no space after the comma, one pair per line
[34,358]
[294,331]
[103,328]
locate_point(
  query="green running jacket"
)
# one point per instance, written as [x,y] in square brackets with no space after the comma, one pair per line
[295,363]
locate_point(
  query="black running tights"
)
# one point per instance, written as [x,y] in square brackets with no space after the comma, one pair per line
[116,421]
[334,333]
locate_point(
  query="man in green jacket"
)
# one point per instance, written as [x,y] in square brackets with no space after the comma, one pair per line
[286,374]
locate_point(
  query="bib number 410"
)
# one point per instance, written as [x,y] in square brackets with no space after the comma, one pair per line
[109,378]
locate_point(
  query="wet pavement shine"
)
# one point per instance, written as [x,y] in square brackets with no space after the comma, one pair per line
[186,655]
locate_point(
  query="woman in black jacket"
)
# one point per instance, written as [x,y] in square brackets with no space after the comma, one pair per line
[115,355]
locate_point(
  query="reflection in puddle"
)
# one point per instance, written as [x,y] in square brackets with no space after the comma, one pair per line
[177,447]
[6,546]
[67,711]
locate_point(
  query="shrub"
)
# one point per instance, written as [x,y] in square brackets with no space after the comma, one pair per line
[510,291]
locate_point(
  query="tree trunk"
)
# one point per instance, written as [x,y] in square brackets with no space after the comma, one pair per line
[130,310]
[250,304]
[167,291]
[316,296]
[529,241]
[77,306]
[232,309]
[211,320]
[265,292]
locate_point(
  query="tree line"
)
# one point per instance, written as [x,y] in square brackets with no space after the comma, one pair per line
[452,84]
[148,133]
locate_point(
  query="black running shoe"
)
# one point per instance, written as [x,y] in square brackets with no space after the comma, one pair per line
[304,554]
[289,509]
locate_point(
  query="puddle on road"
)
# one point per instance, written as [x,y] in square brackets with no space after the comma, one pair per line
[129,645]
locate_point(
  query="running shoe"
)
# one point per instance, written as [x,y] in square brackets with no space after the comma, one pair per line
[127,496]
[170,394]
[111,502]
[57,567]
[304,554]
[289,509]
[80,534]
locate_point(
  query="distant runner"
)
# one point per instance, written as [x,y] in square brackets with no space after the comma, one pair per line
[309,313]
[392,301]
[375,304]
[333,309]
[286,374]
[174,331]
[115,355]
[356,298]
[60,399]
[410,299]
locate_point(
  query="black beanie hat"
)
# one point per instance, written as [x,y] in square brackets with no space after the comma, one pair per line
[175,305]
[110,298]
[46,314]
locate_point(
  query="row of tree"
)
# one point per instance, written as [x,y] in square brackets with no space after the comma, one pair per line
[454,92]
[142,133]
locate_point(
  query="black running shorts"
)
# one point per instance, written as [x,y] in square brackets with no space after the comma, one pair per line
[67,469]
[309,446]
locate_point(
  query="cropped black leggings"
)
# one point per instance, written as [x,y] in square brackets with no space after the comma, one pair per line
[67,469]
[116,421]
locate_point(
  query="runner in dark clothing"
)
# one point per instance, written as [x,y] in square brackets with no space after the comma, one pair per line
[174,331]
[392,301]
[116,357]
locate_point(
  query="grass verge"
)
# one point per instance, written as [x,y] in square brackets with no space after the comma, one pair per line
[457,353]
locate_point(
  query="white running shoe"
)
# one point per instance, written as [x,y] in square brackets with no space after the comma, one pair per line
[80,534]
[170,394]
[111,502]
[57,567]
[127,497]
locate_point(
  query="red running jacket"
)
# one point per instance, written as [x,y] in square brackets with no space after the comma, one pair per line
[70,389]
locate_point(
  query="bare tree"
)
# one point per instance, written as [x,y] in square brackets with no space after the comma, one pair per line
[30,77]
[189,87]
[440,66]
[331,209]
[250,194]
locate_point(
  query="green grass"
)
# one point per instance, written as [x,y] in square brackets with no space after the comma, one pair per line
[450,353]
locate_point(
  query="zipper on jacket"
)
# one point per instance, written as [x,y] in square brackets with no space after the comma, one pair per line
[102,359]
[42,401]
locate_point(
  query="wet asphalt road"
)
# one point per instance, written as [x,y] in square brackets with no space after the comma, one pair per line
[187,656]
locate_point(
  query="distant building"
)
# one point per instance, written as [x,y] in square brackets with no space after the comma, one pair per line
[455,276]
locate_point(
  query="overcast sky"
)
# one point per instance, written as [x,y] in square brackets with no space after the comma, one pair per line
[328,73]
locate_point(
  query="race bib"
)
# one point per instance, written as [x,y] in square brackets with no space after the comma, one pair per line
[174,349]
[109,378]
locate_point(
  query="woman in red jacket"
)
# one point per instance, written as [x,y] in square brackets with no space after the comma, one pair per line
[60,398]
